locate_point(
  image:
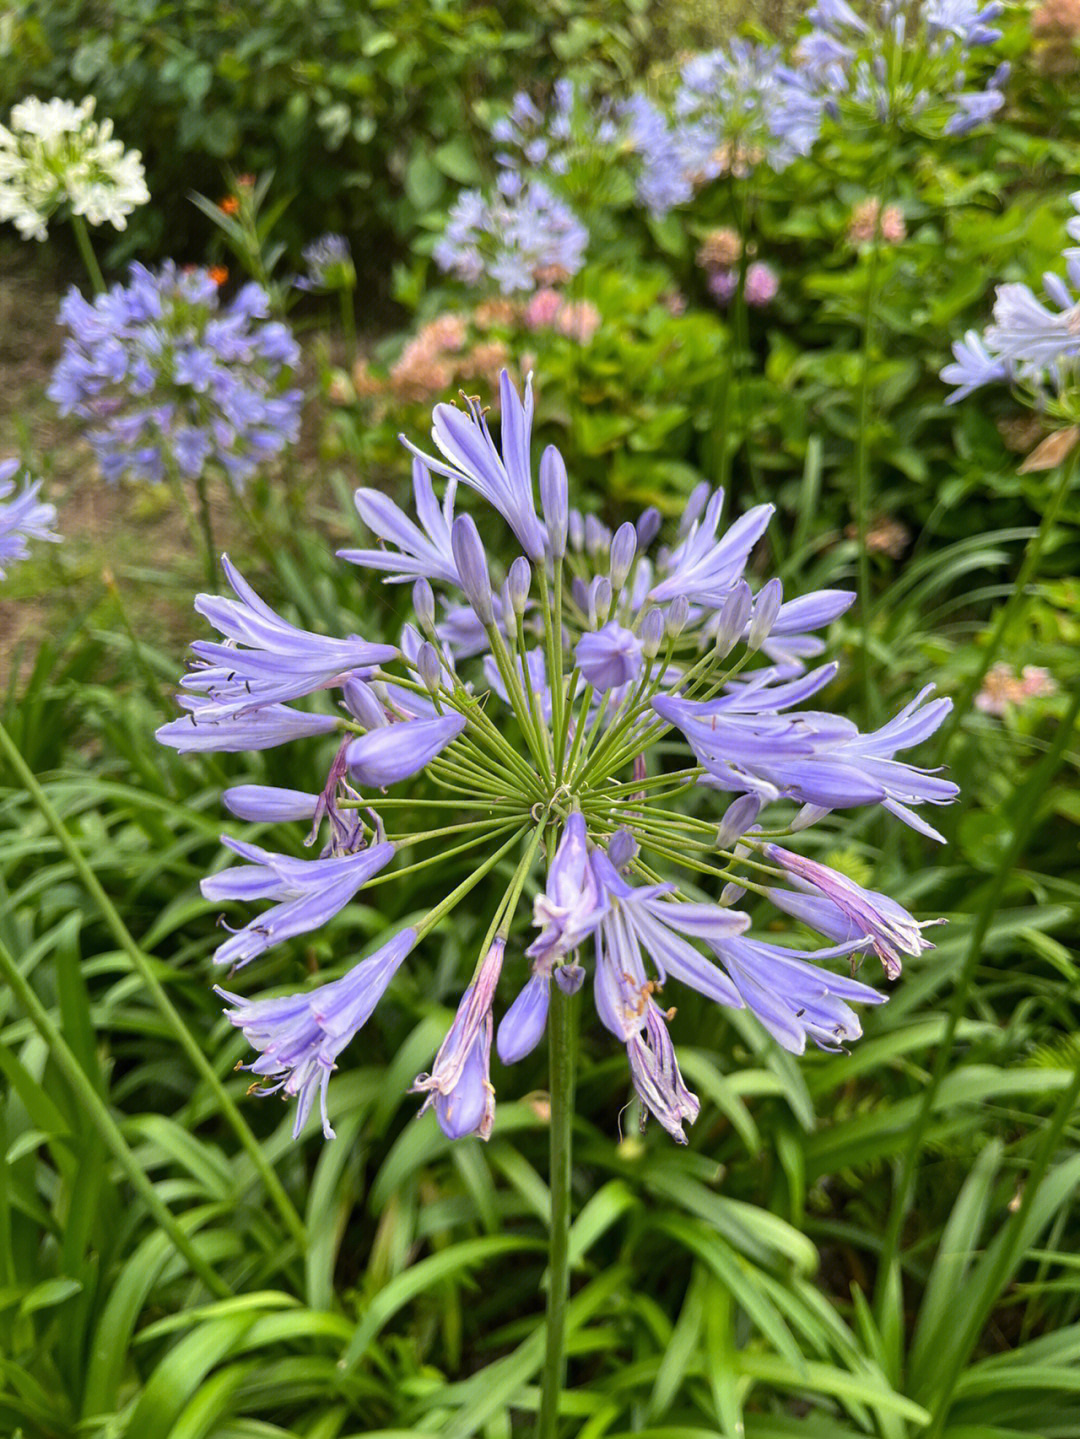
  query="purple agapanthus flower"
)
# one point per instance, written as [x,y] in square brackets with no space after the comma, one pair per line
[329,265]
[559,701]
[22,519]
[516,238]
[170,379]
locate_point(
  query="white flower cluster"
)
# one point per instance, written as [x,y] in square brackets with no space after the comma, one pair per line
[53,152]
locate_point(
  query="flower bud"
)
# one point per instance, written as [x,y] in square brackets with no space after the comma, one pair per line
[599,601]
[569,977]
[608,658]
[623,548]
[766,608]
[576,530]
[677,614]
[518,583]
[522,1026]
[739,816]
[554,500]
[363,704]
[597,535]
[472,568]
[731,894]
[428,663]
[265,803]
[734,613]
[387,756]
[423,600]
[648,526]
[652,633]
[622,847]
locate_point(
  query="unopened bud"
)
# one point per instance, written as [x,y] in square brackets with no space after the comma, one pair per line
[648,526]
[623,549]
[518,583]
[597,535]
[734,614]
[766,608]
[731,894]
[423,601]
[554,492]
[739,816]
[808,815]
[427,662]
[622,847]
[576,530]
[471,561]
[600,601]
[652,633]
[677,614]
[363,704]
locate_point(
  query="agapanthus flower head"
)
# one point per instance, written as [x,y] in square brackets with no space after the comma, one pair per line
[921,65]
[742,106]
[329,265]
[571,138]
[55,156]
[171,379]
[545,697]
[513,237]
[23,518]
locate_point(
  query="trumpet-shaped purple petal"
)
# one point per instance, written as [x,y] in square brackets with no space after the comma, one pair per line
[266,804]
[703,567]
[265,659]
[23,518]
[386,756]
[792,997]
[299,1036]
[204,730]
[420,550]
[471,455]
[308,893]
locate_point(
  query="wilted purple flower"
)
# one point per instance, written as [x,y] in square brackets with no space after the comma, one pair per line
[308,893]
[459,1085]
[168,377]
[299,1036]
[23,518]
[844,911]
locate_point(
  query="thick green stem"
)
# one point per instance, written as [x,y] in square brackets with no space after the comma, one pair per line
[98,1114]
[862,469]
[562,1057]
[144,967]
[86,250]
[348,321]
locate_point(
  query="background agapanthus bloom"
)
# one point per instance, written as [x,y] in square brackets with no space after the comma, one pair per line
[172,379]
[23,518]
[54,154]
[598,645]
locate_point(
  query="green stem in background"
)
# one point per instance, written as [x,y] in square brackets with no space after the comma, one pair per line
[86,250]
[207,530]
[348,321]
[144,967]
[1025,815]
[1016,602]
[562,1057]
[862,467]
[99,1116]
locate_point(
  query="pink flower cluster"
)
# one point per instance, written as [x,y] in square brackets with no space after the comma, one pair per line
[868,219]
[1003,687]
[762,284]
[579,320]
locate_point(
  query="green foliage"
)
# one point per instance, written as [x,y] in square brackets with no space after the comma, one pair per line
[363,110]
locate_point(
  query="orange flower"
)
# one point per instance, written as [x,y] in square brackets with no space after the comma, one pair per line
[218,273]
[230,205]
